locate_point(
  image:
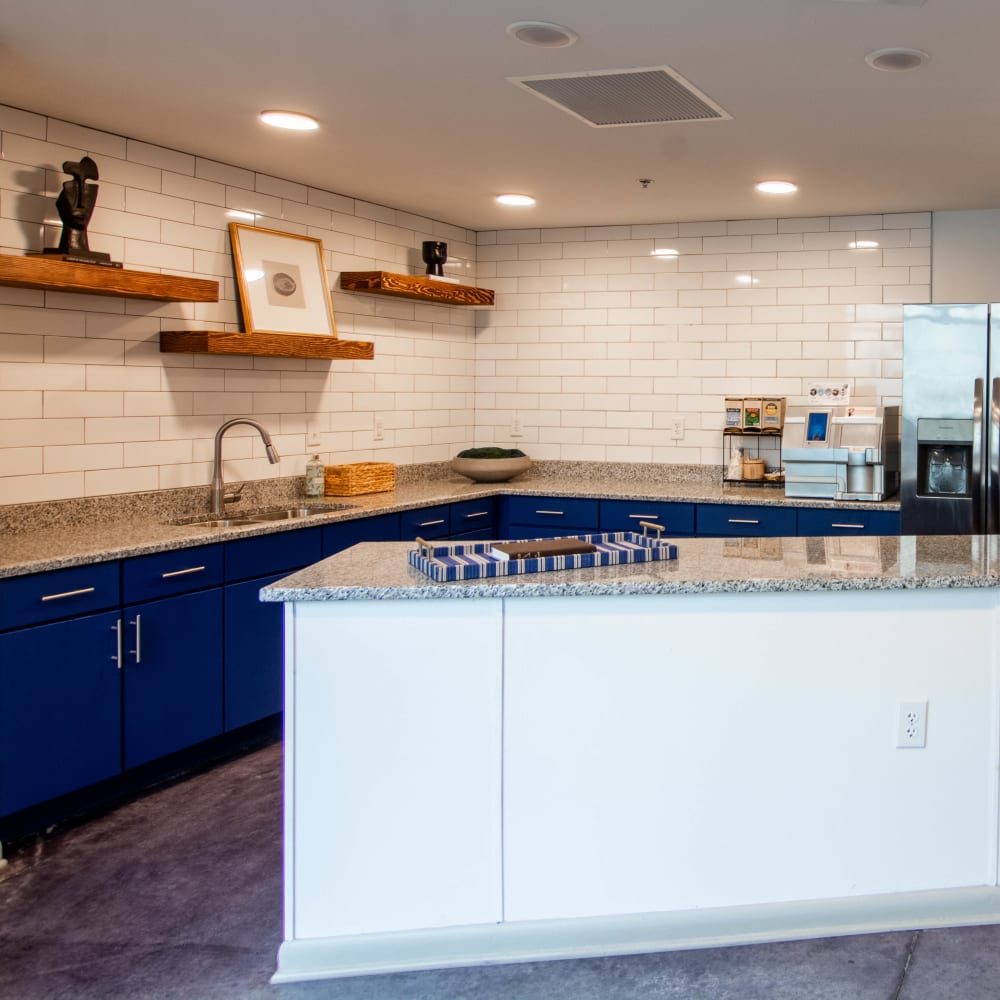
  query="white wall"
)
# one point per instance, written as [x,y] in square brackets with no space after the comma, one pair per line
[595,344]
[89,406]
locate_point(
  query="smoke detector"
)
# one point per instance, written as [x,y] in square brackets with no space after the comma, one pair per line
[613,97]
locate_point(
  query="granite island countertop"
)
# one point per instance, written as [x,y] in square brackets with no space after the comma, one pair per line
[75,542]
[380,570]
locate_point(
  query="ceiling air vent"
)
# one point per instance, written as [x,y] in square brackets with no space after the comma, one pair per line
[614,97]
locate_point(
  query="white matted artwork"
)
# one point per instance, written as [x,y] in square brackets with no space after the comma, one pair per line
[282,282]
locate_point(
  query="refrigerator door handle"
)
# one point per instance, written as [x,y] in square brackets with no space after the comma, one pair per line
[993,518]
[979,479]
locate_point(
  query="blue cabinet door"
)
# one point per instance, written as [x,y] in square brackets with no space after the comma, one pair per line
[426,522]
[473,519]
[813,521]
[172,674]
[60,709]
[253,657]
[549,517]
[626,515]
[744,521]
[381,528]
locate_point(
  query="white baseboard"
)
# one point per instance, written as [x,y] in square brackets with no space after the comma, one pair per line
[591,937]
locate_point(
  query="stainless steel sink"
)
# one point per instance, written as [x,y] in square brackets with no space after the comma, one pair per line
[263,516]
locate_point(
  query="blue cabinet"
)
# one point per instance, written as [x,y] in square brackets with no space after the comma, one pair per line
[172,696]
[60,709]
[426,522]
[381,528]
[61,593]
[625,515]
[470,520]
[812,521]
[744,521]
[549,517]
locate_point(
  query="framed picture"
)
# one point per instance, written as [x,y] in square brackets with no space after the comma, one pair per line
[282,281]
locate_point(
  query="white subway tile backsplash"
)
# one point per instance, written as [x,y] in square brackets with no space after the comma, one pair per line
[595,343]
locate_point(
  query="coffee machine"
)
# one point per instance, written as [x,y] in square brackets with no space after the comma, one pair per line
[842,453]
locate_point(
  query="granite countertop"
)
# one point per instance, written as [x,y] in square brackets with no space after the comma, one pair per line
[380,570]
[76,541]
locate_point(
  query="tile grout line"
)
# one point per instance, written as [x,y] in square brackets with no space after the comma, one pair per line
[910,949]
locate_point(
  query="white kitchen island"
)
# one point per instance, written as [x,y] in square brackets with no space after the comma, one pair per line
[640,758]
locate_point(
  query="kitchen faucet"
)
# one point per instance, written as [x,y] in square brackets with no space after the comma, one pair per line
[218,487]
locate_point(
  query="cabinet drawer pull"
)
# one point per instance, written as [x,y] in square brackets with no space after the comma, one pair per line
[479,513]
[137,622]
[554,513]
[430,524]
[69,593]
[743,520]
[641,517]
[836,525]
[117,629]
[182,572]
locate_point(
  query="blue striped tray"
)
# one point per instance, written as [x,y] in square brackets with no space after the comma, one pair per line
[473,561]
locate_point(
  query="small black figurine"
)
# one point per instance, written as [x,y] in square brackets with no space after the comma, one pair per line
[76,204]
[435,254]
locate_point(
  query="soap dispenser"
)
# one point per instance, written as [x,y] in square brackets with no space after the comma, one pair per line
[315,477]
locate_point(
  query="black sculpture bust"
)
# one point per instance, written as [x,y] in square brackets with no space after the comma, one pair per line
[76,204]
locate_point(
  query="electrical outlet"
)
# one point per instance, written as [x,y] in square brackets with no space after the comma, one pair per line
[379,429]
[677,428]
[911,725]
[313,439]
[516,430]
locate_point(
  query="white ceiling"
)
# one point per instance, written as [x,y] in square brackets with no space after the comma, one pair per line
[417,112]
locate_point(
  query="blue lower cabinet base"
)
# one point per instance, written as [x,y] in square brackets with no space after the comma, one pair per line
[173,674]
[60,709]
[253,657]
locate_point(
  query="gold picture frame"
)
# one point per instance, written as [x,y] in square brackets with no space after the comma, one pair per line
[282,282]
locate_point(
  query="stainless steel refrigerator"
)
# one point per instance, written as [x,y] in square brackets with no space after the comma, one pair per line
[950,460]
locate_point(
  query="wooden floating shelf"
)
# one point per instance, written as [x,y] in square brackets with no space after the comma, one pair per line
[408,286]
[94,279]
[267,345]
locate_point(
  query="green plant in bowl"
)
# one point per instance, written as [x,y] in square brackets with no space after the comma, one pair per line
[490,465]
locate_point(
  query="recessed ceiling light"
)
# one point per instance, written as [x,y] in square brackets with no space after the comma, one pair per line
[542,33]
[667,252]
[777,187]
[896,60]
[515,199]
[290,120]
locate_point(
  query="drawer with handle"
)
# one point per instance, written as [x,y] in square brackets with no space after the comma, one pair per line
[627,515]
[62,593]
[427,522]
[727,520]
[571,514]
[847,522]
[166,573]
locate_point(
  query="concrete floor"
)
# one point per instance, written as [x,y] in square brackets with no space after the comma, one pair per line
[178,895]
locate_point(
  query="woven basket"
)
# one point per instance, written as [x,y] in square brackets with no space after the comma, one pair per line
[361,477]
[753,468]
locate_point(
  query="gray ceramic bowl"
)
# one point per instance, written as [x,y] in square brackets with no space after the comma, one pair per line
[490,470]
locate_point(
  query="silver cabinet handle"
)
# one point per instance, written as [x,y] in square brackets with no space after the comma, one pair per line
[979,473]
[836,525]
[641,517]
[117,629]
[430,524]
[479,513]
[182,572]
[137,652]
[743,520]
[556,513]
[69,593]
